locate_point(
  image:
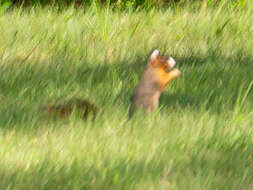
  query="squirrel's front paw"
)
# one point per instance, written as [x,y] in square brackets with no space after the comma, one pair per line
[175,73]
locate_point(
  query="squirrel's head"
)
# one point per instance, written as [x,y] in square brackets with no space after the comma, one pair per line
[164,62]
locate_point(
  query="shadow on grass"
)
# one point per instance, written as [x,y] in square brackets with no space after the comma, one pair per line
[213,82]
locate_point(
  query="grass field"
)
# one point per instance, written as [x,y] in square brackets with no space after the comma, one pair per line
[201,138]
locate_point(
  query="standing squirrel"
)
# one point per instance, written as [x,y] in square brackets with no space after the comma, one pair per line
[146,95]
[153,82]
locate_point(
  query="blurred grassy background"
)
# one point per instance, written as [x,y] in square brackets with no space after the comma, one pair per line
[201,138]
[126,4]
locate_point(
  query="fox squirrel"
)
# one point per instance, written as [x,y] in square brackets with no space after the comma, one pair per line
[146,96]
[153,82]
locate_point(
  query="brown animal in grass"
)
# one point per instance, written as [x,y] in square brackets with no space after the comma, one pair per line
[146,96]
[153,82]
[83,106]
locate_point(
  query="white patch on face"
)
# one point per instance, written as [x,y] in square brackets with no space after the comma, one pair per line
[171,62]
[154,54]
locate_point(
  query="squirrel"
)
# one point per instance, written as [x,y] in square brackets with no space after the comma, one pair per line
[153,82]
[146,95]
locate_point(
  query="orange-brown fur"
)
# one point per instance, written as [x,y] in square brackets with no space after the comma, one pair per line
[153,82]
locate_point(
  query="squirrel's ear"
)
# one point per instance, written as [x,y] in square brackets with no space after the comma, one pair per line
[171,62]
[154,55]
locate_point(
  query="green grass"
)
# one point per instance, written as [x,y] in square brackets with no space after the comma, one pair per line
[201,138]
